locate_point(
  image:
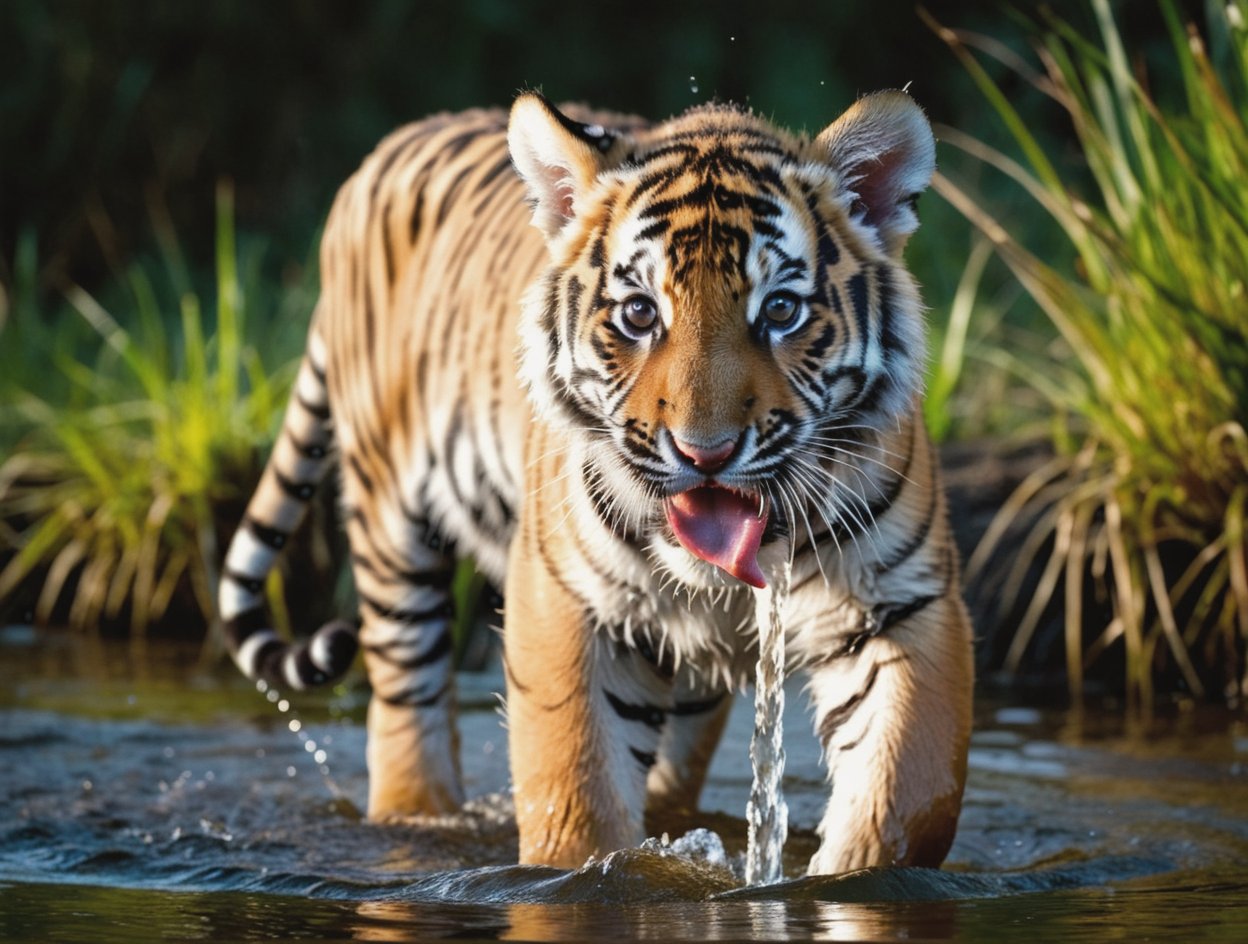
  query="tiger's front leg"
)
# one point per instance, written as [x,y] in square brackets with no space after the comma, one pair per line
[893,712]
[584,715]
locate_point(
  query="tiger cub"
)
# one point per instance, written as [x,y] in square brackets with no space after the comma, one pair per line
[696,374]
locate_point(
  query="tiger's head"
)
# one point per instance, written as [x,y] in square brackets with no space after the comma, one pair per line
[723,301]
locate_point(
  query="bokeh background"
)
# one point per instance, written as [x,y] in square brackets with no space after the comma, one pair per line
[165,169]
[110,112]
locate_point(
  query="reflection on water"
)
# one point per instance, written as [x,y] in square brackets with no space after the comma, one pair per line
[156,801]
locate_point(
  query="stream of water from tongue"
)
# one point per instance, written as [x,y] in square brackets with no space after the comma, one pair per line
[767,814]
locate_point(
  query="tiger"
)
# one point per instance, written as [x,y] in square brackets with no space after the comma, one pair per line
[651,378]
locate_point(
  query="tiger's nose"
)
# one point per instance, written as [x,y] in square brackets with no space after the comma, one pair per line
[708,459]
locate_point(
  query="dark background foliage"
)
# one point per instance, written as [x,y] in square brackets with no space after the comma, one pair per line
[116,114]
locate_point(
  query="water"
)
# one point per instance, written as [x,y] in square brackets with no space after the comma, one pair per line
[767,815]
[142,799]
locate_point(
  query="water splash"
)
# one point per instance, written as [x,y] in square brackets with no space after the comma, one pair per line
[316,750]
[767,815]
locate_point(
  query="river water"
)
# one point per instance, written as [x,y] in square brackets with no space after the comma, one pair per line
[145,799]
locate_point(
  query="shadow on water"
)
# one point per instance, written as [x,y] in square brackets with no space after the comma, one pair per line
[165,802]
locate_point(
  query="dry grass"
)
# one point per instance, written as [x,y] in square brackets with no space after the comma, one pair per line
[1146,501]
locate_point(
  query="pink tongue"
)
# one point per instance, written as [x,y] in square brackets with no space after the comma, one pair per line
[722,527]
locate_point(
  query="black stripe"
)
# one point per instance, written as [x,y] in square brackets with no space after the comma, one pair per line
[386,243]
[604,509]
[248,583]
[829,252]
[321,412]
[877,621]
[385,556]
[889,340]
[449,194]
[645,758]
[859,302]
[307,670]
[888,495]
[886,615]
[439,611]
[657,228]
[411,697]
[269,537]
[698,707]
[439,650]
[396,149]
[504,164]
[903,553]
[242,626]
[648,715]
[842,712]
[869,399]
[662,660]
[268,662]
[418,211]
[366,481]
[317,370]
[309,450]
[439,578]
[300,491]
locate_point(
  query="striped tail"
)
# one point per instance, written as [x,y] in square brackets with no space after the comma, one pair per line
[300,458]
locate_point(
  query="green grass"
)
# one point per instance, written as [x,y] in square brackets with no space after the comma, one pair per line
[131,444]
[1146,500]
[124,442]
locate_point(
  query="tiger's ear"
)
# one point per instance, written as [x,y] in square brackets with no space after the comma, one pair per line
[885,152]
[557,157]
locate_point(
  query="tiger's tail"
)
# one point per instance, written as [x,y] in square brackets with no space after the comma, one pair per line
[300,458]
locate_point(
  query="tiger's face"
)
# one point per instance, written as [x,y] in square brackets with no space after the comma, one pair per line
[725,309]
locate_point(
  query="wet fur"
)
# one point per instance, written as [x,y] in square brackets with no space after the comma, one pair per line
[537,438]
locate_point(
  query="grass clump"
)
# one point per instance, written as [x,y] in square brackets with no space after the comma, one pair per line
[1142,514]
[123,466]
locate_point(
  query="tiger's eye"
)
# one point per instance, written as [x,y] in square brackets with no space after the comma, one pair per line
[639,315]
[781,308]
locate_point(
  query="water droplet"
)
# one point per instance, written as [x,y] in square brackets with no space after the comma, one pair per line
[271,695]
[86,786]
[732,39]
[290,771]
[295,724]
[262,686]
[260,752]
[693,84]
[168,752]
[283,706]
[320,757]
[309,745]
[132,699]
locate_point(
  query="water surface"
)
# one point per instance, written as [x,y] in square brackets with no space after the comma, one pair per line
[144,798]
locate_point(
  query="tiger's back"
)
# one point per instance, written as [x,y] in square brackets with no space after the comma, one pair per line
[426,250]
[696,373]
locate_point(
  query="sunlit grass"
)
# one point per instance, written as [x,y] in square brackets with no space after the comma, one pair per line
[120,463]
[1147,496]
